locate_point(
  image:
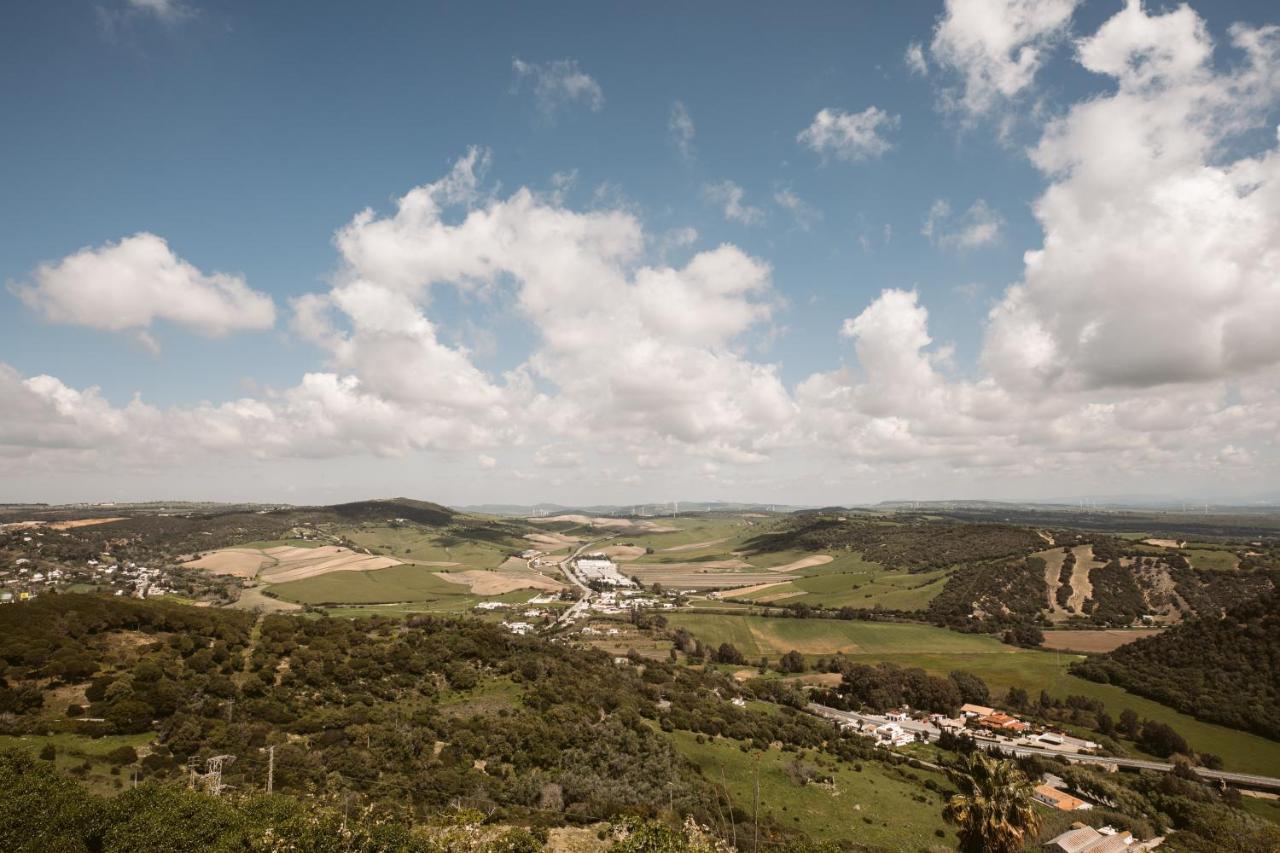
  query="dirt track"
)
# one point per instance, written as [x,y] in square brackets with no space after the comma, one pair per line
[693,546]
[760,587]
[804,563]
[1081,588]
[1053,560]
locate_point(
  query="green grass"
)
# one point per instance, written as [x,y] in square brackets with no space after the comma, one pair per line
[457,604]
[1214,559]
[733,528]
[873,807]
[263,544]
[82,745]
[74,750]
[415,544]
[396,584]
[757,635]
[852,582]
[940,651]
[1265,809]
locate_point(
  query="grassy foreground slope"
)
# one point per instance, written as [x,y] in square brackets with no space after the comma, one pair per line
[409,716]
[809,791]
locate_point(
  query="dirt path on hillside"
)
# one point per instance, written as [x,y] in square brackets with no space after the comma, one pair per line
[803,563]
[749,590]
[694,546]
[246,660]
[1081,588]
[1053,561]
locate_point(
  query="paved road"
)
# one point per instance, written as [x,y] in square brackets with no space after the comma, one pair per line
[587,592]
[1247,780]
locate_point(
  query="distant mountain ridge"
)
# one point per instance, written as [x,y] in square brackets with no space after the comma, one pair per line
[381,509]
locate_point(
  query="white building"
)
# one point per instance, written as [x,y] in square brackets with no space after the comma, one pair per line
[598,568]
[893,735]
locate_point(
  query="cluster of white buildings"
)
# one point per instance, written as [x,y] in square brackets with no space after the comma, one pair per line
[24,579]
[599,569]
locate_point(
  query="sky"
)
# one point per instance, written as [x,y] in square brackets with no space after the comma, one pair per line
[594,253]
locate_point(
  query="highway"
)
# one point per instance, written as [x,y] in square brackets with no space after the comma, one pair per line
[1244,780]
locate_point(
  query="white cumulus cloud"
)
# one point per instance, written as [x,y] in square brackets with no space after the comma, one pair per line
[804,214]
[559,84]
[995,47]
[849,136]
[731,199]
[980,225]
[1161,257]
[128,285]
[915,59]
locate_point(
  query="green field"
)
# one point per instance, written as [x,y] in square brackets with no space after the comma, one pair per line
[457,604]
[873,807]
[263,544]
[1216,559]
[756,635]
[940,651]
[848,581]
[74,751]
[693,530]
[397,584]
[417,544]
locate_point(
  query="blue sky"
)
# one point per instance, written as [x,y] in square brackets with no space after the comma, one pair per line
[245,135]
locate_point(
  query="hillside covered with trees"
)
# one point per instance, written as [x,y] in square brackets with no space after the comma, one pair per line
[415,716]
[1224,670]
[908,544]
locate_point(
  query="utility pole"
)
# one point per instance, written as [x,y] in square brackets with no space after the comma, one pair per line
[271,767]
[733,824]
[755,811]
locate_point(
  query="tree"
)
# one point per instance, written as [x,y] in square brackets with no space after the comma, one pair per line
[993,807]
[1024,634]
[792,661]
[1161,740]
[728,653]
[1128,723]
[973,689]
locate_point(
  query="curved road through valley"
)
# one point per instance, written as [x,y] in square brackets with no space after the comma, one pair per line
[588,593]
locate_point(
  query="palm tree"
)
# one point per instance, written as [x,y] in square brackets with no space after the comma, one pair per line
[993,809]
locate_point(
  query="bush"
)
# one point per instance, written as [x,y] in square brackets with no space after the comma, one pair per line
[122,755]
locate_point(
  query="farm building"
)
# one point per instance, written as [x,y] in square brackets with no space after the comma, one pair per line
[1000,720]
[1061,800]
[1086,839]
